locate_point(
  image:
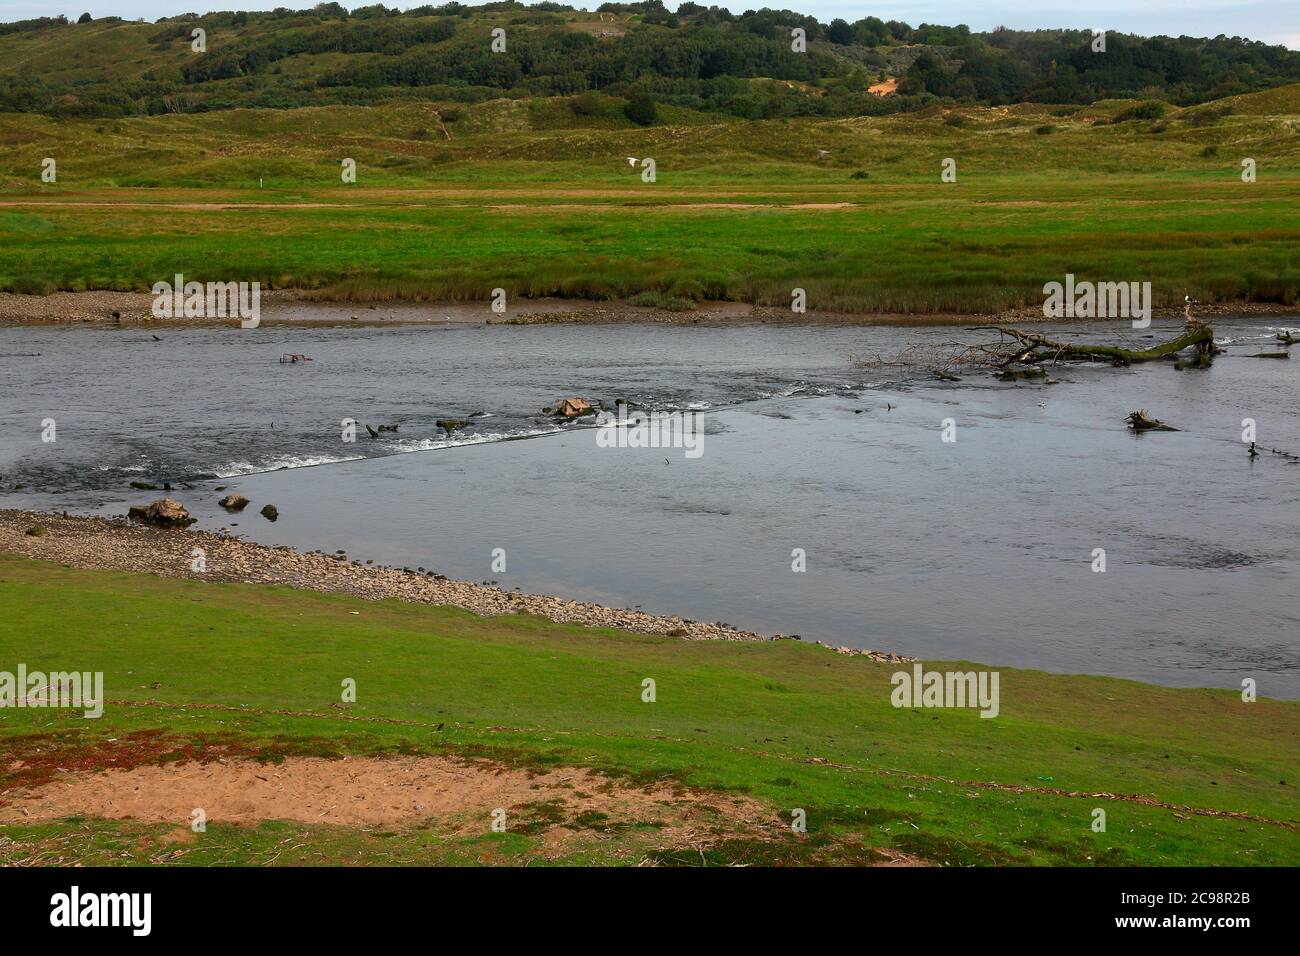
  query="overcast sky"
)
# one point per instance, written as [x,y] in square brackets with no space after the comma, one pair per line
[1274,21]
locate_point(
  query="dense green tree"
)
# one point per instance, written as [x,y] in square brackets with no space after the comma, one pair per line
[701,57]
[640,109]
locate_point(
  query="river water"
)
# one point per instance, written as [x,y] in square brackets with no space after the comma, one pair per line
[981,549]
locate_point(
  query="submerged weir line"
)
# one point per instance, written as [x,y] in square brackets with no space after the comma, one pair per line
[651,430]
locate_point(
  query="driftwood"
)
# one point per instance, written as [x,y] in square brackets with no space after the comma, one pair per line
[441,125]
[1033,347]
[1142,422]
[1019,347]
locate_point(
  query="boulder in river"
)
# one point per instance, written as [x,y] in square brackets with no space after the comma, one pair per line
[573,407]
[270,512]
[1020,374]
[163,513]
[234,502]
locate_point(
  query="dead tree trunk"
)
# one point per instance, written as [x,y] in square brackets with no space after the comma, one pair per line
[1017,347]
[1038,348]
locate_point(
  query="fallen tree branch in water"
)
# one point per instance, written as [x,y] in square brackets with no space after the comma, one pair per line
[1034,347]
[1142,422]
[1021,347]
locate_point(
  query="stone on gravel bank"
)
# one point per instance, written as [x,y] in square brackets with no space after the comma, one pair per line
[163,513]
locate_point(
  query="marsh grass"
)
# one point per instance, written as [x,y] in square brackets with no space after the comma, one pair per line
[539,199]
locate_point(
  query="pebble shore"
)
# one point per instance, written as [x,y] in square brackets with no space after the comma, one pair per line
[116,544]
[291,307]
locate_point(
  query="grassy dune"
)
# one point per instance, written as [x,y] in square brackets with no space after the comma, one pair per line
[528,196]
[786,724]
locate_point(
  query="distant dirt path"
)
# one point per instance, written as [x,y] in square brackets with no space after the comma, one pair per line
[182,205]
[540,203]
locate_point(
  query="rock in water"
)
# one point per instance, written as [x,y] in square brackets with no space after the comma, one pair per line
[573,407]
[163,513]
[1018,374]
[234,502]
[270,512]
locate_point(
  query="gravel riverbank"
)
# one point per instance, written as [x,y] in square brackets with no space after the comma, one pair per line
[297,307]
[100,543]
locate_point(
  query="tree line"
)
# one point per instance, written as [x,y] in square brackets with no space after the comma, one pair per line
[705,58]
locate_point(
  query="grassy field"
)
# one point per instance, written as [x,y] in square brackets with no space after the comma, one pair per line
[534,198]
[786,724]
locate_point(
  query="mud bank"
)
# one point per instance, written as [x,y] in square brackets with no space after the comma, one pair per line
[296,307]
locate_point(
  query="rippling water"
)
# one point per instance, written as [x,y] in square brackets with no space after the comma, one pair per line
[980,549]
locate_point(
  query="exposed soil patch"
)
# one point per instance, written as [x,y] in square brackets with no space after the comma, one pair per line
[153,779]
[361,791]
[29,763]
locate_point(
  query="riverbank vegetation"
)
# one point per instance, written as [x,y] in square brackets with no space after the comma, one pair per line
[999,163]
[538,199]
[1195,777]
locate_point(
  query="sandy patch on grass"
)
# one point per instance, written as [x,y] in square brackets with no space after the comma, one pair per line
[367,791]
[158,779]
